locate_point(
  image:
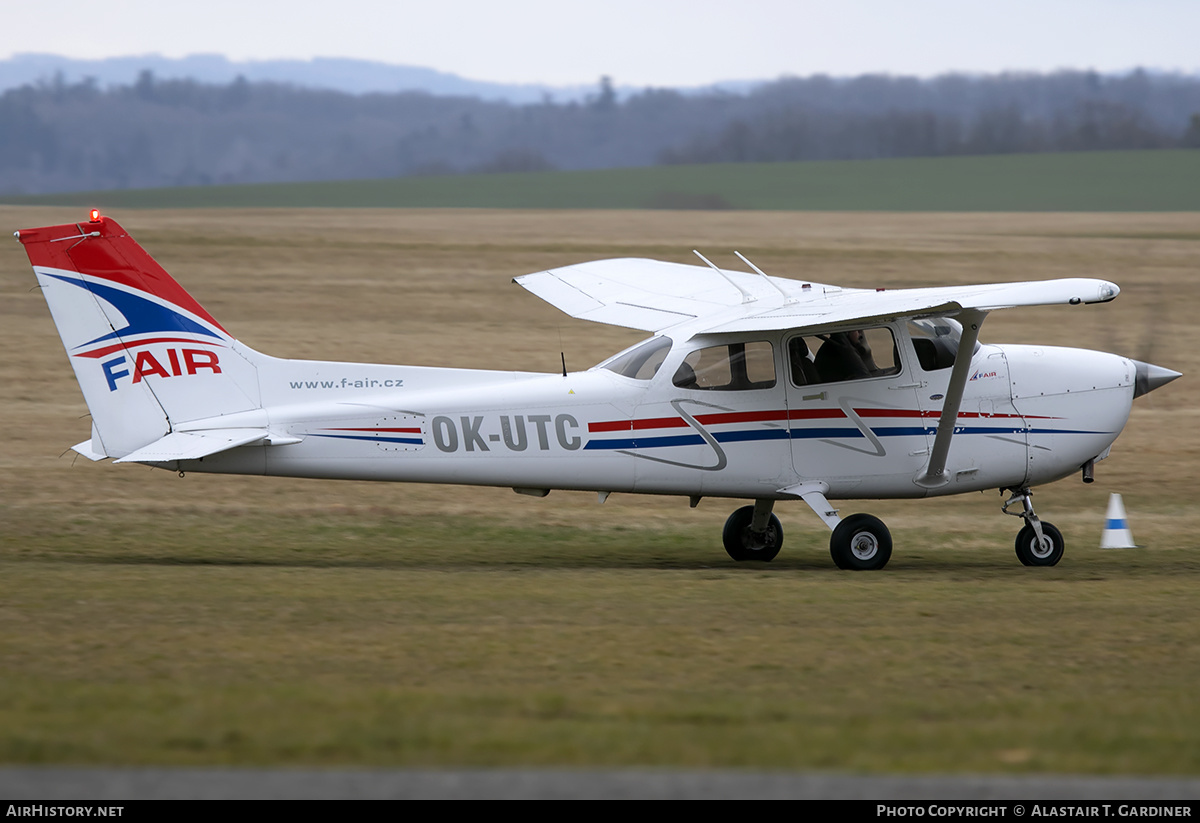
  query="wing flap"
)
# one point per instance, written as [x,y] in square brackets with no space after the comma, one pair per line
[862,310]
[559,292]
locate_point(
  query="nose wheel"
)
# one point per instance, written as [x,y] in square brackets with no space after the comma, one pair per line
[861,543]
[1046,550]
[1038,543]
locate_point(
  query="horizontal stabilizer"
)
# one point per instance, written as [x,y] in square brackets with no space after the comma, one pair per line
[88,449]
[194,445]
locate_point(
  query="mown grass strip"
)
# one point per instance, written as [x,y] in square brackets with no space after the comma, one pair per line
[1080,181]
[355,638]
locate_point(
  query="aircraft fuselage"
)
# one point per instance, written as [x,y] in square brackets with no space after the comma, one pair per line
[1029,415]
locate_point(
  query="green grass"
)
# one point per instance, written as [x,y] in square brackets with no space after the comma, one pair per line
[1088,181]
[147,636]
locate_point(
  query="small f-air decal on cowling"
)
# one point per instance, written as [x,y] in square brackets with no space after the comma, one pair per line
[983,375]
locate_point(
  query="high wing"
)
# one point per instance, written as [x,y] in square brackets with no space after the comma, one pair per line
[654,296]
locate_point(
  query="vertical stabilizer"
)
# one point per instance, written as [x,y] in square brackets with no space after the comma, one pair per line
[147,355]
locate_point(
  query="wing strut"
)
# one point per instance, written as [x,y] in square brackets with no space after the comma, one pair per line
[935,473]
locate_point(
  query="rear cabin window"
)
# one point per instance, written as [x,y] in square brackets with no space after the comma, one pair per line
[847,355]
[732,367]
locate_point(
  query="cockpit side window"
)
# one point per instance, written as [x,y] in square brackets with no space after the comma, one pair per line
[642,361]
[731,367]
[849,355]
[935,340]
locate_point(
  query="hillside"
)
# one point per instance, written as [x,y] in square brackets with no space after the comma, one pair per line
[63,137]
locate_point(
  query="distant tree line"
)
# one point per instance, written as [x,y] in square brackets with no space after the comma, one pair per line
[57,136]
[821,119]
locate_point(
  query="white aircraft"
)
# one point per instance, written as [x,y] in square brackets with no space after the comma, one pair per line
[752,387]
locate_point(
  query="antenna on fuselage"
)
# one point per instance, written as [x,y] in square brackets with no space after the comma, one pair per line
[787,298]
[747,297]
[562,351]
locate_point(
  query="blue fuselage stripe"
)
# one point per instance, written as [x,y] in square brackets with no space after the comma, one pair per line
[811,433]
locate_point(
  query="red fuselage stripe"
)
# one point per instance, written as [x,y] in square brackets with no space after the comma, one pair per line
[794,414]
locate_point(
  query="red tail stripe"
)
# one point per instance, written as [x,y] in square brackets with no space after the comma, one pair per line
[134,344]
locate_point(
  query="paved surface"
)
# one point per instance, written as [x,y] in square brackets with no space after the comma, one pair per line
[20,783]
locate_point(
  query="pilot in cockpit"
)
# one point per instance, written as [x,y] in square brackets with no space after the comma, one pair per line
[845,356]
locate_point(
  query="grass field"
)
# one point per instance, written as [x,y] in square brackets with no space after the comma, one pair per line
[1087,181]
[149,619]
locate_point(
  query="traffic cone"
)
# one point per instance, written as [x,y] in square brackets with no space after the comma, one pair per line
[1116,527]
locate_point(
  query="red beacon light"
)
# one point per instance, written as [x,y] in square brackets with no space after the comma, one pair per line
[94,215]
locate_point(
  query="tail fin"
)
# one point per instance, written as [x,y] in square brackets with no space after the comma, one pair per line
[147,355]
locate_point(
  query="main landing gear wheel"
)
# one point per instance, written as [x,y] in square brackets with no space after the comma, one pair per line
[742,543]
[861,543]
[1046,552]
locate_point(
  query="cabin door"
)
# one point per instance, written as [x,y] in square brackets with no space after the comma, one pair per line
[853,415]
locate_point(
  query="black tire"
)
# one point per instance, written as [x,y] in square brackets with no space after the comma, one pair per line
[861,543]
[743,544]
[1031,554]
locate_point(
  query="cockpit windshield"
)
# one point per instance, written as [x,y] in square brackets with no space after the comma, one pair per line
[641,362]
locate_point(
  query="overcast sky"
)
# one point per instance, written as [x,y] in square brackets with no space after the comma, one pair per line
[636,42]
